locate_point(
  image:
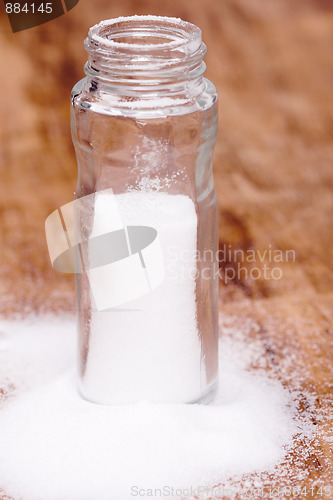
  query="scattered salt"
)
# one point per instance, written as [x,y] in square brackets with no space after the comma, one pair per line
[55,445]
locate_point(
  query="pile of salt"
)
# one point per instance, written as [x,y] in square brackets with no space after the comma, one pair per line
[54,445]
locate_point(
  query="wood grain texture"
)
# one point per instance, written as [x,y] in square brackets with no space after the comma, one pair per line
[272,64]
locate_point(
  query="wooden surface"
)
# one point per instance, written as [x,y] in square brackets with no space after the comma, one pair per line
[272,64]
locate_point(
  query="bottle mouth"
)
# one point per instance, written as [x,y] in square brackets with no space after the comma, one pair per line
[144,43]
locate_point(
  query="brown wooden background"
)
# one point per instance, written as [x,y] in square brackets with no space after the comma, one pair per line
[272,63]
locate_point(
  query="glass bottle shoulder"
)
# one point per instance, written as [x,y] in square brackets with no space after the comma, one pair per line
[86,96]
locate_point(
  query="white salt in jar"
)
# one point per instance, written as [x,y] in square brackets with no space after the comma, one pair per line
[144,123]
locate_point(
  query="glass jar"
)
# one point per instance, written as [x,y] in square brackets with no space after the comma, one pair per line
[144,125]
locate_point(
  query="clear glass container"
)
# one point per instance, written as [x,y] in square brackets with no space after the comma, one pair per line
[144,125]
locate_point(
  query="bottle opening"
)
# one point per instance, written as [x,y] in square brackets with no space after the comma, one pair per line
[140,39]
[144,43]
[138,32]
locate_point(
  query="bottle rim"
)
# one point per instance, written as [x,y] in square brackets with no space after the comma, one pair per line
[103,35]
[146,44]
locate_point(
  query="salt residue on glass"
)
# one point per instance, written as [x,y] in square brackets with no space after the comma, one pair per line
[55,445]
[94,32]
[149,348]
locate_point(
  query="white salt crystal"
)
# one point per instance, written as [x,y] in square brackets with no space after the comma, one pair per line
[55,445]
[149,348]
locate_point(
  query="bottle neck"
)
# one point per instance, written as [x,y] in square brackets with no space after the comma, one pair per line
[144,56]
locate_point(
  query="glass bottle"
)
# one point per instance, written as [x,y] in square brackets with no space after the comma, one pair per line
[144,125]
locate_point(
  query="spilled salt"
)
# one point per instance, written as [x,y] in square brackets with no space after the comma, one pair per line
[55,445]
